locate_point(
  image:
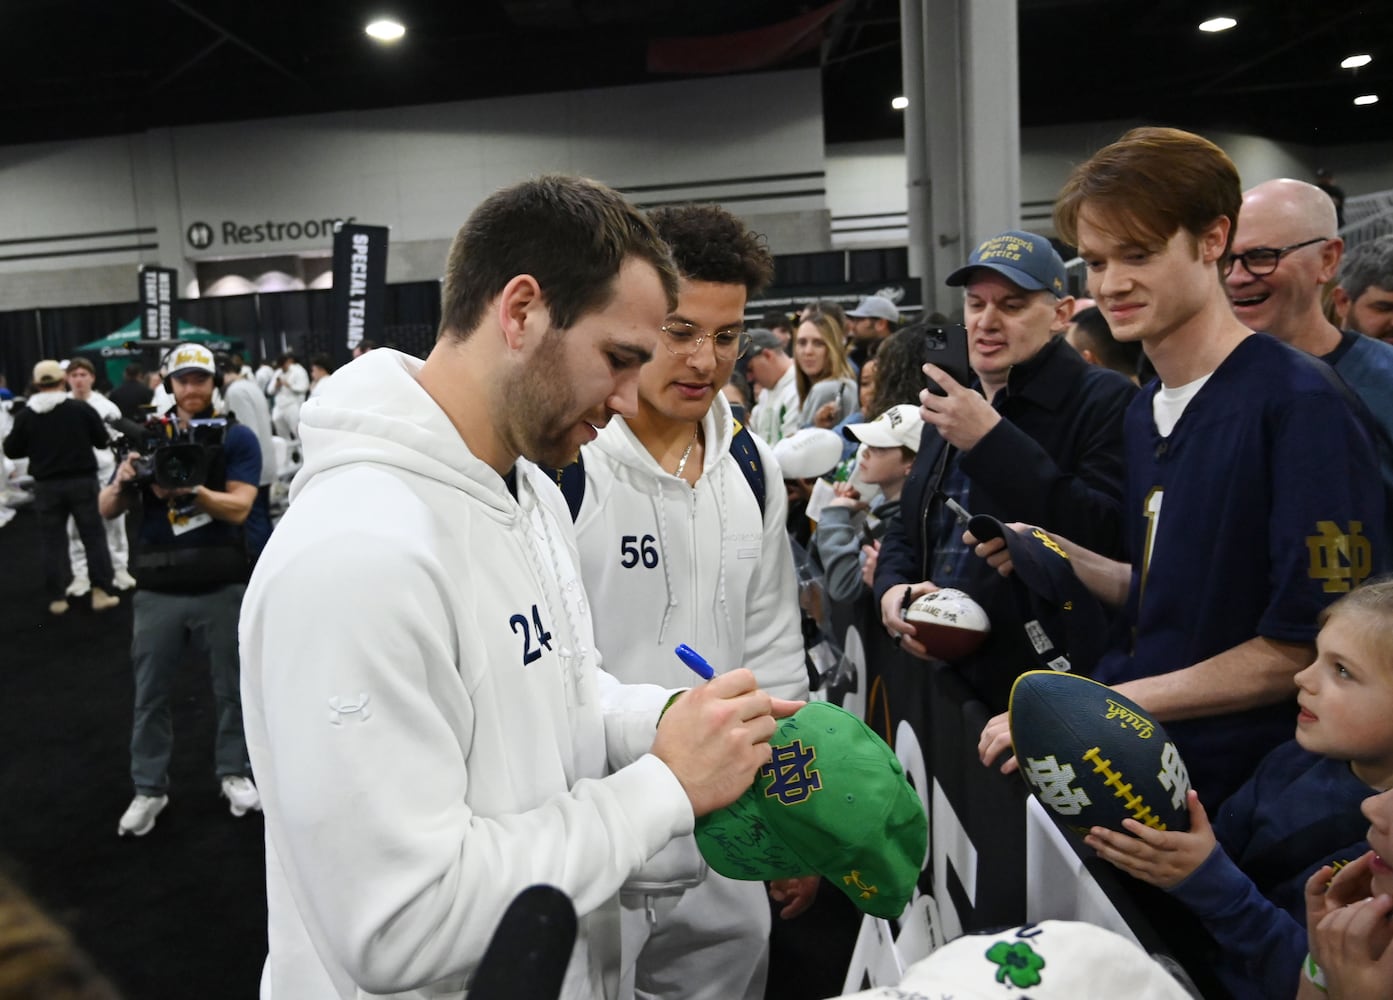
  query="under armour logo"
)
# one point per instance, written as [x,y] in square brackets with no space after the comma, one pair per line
[343,710]
[864,890]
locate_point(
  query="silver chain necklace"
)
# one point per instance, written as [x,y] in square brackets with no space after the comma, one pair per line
[682,462]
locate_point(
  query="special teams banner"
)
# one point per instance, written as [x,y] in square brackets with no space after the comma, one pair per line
[157,320]
[360,287]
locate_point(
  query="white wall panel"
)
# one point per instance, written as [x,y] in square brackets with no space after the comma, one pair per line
[417,170]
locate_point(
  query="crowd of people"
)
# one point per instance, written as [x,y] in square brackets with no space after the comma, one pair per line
[601,459]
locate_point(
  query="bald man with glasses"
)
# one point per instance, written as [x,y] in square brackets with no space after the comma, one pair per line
[1285,252]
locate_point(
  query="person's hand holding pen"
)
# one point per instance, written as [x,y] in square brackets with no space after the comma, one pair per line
[715,737]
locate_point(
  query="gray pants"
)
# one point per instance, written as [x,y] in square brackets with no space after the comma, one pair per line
[163,623]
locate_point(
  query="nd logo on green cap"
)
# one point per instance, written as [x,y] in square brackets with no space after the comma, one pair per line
[833,802]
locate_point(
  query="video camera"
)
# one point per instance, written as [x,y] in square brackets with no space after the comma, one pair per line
[171,456]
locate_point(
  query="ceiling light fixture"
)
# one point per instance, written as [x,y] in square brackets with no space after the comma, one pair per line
[1218,24]
[1354,62]
[899,103]
[385,30]
[1366,99]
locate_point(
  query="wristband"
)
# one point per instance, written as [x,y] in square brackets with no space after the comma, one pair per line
[1313,972]
[679,694]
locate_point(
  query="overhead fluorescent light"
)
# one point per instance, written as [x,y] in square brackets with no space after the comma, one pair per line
[1218,24]
[1354,62]
[385,30]
[899,103]
[1366,99]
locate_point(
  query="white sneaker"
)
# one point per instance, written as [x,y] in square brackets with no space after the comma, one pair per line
[102,601]
[241,794]
[139,817]
[79,586]
[122,580]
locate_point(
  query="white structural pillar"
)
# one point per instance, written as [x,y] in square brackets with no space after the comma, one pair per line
[962,133]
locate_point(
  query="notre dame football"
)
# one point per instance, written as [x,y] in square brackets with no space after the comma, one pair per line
[1095,757]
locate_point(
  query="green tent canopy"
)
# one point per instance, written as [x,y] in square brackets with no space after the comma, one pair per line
[118,349]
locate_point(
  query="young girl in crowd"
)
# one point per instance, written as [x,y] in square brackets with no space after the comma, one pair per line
[1246,877]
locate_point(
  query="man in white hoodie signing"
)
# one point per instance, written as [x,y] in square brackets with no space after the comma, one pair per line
[449,739]
[679,544]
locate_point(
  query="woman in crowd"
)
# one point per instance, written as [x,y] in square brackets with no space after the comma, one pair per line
[823,374]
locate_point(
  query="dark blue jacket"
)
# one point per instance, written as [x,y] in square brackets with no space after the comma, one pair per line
[1055,460]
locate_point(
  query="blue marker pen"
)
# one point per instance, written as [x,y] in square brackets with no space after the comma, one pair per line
[695,661]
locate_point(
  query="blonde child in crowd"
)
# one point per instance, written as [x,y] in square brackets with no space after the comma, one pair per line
[1246,877]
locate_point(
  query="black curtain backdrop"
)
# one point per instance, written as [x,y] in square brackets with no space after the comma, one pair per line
[890,264]
[63,329]
[229,315]
[412,317]
[298,321]
[20,348]
[834,268]
[266,323]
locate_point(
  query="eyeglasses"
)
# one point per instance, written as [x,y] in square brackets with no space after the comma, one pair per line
[1262,261]
[682,340]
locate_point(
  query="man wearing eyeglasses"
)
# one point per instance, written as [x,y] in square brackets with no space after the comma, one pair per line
[1284,254]
[676,547]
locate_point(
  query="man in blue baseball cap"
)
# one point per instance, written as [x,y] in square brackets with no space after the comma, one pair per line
[1029,261]
[1039,430]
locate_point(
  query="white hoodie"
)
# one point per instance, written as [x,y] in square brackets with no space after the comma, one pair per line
[424,712]
[669,563]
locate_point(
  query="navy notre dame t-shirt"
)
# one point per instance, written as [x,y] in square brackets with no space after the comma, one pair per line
[1263,505]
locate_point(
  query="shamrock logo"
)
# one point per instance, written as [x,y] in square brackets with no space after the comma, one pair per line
[1018,962]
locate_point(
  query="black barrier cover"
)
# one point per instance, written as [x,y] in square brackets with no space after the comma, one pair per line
[976,813]
[360,283]
[157,317]
[976,875]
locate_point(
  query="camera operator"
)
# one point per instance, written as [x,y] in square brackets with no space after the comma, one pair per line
[192,569]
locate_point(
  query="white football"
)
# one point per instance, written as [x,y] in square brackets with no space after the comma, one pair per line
[948,623]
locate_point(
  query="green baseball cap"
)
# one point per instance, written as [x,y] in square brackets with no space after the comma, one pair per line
[833,802]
